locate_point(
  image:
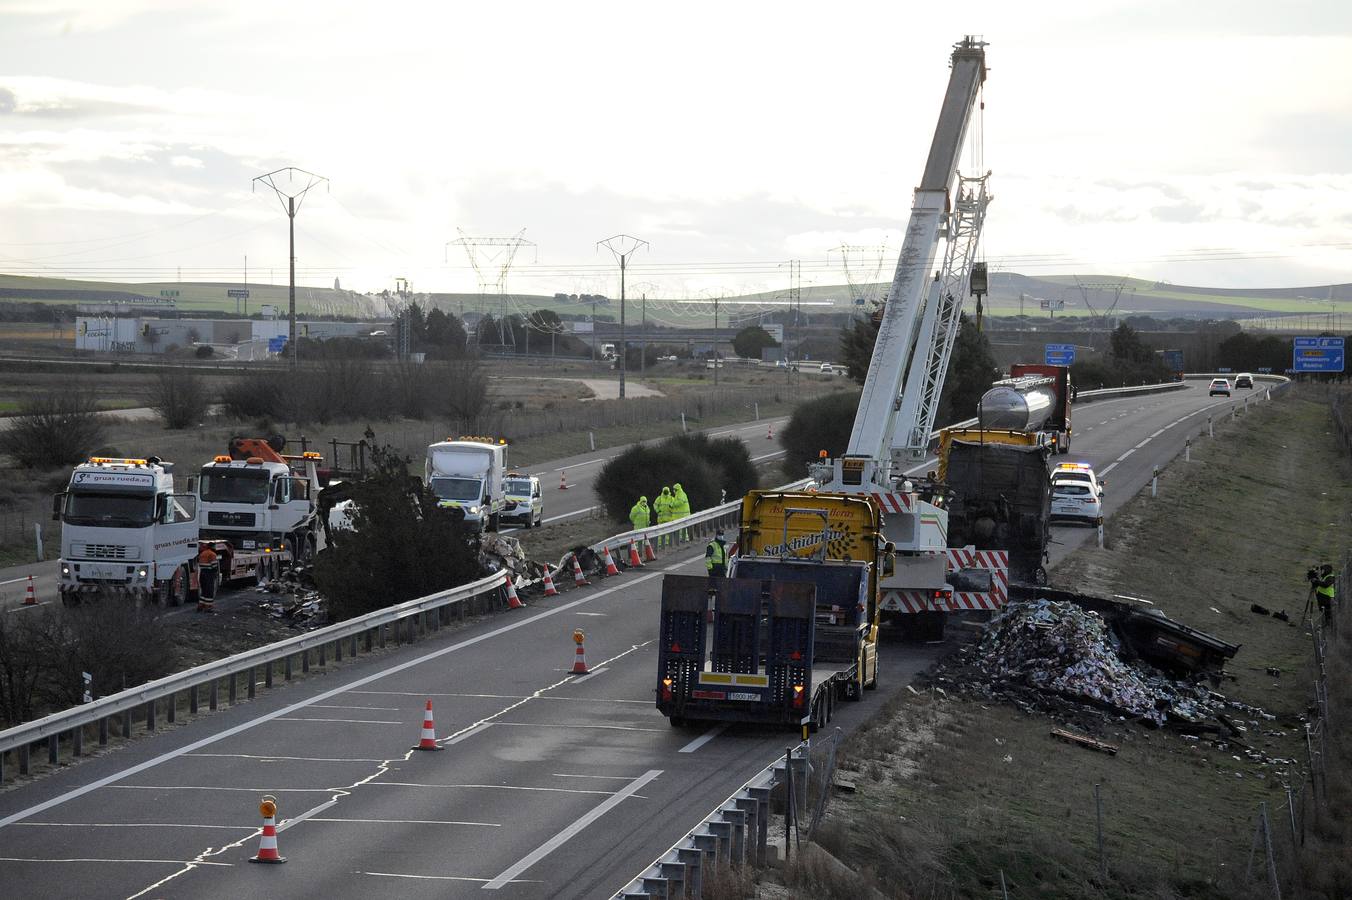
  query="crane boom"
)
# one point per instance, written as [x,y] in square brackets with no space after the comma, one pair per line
[919,320]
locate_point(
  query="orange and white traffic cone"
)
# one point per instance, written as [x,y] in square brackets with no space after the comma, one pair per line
[579,580]
[769,431]
[634,561]
[30,598]
[580,659]
[513,601]
[610,563]
[563,479]
[550,590]
[428,741]
[267,844]
[649,555]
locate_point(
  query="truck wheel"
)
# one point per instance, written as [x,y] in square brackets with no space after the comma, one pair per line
[1040,576]
[1065,445]
[873,685]
[539,520]
[70,598]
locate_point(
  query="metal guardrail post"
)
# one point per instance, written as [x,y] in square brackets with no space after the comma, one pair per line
[692,858]
[214,695]
[722,831]
[656,887]
[267,675]
[737,819]
[126,723]
[192,699]
[232,692]
[53,749]
[674,873]
[707,845]
[150,715]
[171,708]
[23,759]
[751,810]
[103,732]
[77,741]
[287,668]
[304,661]
[762,797]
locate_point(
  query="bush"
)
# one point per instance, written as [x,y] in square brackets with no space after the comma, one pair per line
[404,545]
[180,397]
[821,424]
[411,390]
[729,456]
[646,470]
[466,389]
[206,351]
[56,428]
[258,395]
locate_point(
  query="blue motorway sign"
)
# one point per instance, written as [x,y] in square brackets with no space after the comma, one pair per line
[1317,354]
[276,345]
[1059,354]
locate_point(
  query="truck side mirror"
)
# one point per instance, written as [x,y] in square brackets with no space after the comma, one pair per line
[58,500]
[162,508]
[192,484]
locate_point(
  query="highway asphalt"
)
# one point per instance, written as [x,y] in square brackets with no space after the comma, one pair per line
[549,785]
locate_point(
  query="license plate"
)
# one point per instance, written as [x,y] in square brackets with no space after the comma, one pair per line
[102,572]
[743,695]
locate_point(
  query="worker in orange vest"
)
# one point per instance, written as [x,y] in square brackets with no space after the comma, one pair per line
[208,574]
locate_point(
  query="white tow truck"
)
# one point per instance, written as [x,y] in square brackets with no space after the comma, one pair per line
[258,509]
[918,325]
[125,531]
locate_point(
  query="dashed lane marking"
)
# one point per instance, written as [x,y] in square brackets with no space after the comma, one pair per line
[572,725]
[478,729]
[702,739]
[136,825]
[111,780]
[411,822]
[343,721]
[489,787]
[86,859]
[567,834]
[265,756]
[439,877]
[590,675]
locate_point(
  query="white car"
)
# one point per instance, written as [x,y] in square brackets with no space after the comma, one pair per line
[1077,500]
[1078,471]
[1219,386]
[525,503]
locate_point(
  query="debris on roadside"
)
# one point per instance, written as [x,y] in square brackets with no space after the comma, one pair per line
[1061,649]
[292,597]
[1084,740]
[499,552]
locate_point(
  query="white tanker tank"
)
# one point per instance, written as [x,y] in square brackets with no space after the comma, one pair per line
[1018,404]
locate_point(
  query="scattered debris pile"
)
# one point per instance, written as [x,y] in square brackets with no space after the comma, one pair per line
[293,597]
[499,552]
[1059,648]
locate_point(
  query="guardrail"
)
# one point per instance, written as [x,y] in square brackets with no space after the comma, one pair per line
[162,697]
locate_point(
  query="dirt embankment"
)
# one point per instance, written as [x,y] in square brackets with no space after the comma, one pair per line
[962,790]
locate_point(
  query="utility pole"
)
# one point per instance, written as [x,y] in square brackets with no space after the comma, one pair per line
[716,299]
[593,331]
[289,195]
[622,246]
[643,338]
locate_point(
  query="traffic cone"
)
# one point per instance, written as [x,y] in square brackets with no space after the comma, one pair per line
[429,732]
[30,598]
[769,431]
[550,590]
[649,555]
[267,844]
[580,660]
[513,601]
[634,561]
[610,563]
[579,580]
[563,479]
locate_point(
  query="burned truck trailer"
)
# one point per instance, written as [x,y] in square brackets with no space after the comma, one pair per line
[1000,499]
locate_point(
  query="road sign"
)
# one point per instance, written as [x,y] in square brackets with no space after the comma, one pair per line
[169,292]
[276,345]
[237,294]
[1059,354]
[1317,354]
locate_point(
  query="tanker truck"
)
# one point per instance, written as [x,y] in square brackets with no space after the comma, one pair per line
[1034,399]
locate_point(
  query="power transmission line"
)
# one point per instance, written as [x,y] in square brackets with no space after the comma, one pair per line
[289,195]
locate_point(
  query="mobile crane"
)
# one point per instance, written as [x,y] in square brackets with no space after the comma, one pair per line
[919,323]
[794,627]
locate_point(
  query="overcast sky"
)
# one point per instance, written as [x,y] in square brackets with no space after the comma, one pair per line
[1196,142]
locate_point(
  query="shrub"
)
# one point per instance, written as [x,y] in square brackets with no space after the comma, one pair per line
[55,428]
[411,390]
[466,389]
[258,395]
[404,545]
[645,470]
[180,397]
[206,351]
[820,424]
[732,459]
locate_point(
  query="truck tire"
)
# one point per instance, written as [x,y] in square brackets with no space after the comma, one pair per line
[69,598]
[873,685]
[1065,444]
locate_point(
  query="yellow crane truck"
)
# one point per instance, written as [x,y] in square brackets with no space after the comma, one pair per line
[794,626]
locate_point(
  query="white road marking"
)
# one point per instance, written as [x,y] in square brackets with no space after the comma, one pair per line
[424,694]
[412,822]
[1107,470]
[319,698]
[592,674]
[602,777]
[702,739]
[296,820]
[20,607]
[572,726]
[283,758]
[335,706]
[598,615]
[567,834]
[136,825]
[345,721]
[489,787]
[17,580]
[85,859]
[435,877]
[198,787]
[477,729]
[768,455]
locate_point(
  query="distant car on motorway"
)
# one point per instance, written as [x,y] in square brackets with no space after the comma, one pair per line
[1219,386]
[1243,380]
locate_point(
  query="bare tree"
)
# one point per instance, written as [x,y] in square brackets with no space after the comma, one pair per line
[55,428]
[180,397]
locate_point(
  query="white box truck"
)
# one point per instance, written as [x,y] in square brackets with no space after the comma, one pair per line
[467,474]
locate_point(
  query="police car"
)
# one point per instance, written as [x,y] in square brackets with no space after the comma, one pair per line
[1077,494]
[524,501]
